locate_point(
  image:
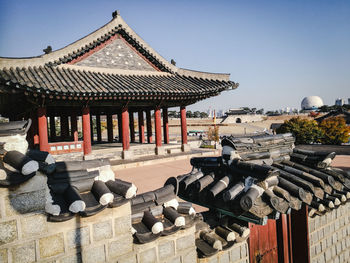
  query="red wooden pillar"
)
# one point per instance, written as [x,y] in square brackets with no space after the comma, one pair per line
[149,126]
[141,127]
[64,127]
[120,127]
[98,127]
[42,127]
[86,130]
[125,129]
[74,126]
[183,124]
[109,127]
[52,129]
[158,127]
[300,235]
[132,127]
[165,126]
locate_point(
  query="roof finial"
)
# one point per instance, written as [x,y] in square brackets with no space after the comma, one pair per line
[47,50]
[115,13]
[173,62]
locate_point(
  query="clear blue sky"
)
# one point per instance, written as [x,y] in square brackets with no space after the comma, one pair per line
[279,51]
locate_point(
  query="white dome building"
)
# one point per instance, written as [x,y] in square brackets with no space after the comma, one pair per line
[311,103]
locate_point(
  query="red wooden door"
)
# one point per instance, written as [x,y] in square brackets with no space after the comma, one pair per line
[263,243]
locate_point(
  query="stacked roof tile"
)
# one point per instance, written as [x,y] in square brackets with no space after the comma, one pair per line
[73,81]
[263,176]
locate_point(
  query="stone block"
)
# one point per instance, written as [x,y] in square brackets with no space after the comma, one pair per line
[51,245]
[25,203]
[33,225]
[128,258]
[190,256]
[185,242]
[122,245]
[75,258]
[78,237]
[122,225]
[166,250]
[127,155]
[175,260]
[328,254]
[24,253]
[213,259]
[318,248]
[224,257]
[3,255]
[334,251]
[311,226]
[8,232]
[160,150]
[94,255]
[320,233]
[235,254]
[102,230]
[148,256]
[185,148]
[244,250]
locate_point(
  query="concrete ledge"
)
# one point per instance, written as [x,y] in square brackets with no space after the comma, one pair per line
[162,160]
[174,150]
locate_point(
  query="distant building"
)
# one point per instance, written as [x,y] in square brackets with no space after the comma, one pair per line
[339,102]
[311,103]
[220,113]
[241,115]
[349,101]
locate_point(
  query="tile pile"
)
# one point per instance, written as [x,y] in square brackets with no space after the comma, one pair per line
[260,177]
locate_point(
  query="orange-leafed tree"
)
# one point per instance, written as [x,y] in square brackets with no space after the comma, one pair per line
[335,130]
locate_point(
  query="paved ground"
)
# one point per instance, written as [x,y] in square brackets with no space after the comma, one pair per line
[150,177]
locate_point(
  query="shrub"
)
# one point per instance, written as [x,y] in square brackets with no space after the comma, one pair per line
[213,134]
[335,130]
[305,131]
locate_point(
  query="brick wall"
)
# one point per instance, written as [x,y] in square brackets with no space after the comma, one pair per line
[26,236]
[238,253]
[329,236]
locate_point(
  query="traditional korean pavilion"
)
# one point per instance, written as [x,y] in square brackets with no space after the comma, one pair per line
[110,71]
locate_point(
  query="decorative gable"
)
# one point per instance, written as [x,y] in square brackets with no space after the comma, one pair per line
[118,55]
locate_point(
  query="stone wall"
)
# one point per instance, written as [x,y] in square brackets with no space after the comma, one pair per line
[26,236]
[238,253]
[329,236]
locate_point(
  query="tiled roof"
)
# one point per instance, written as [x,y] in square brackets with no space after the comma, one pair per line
[85,81]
